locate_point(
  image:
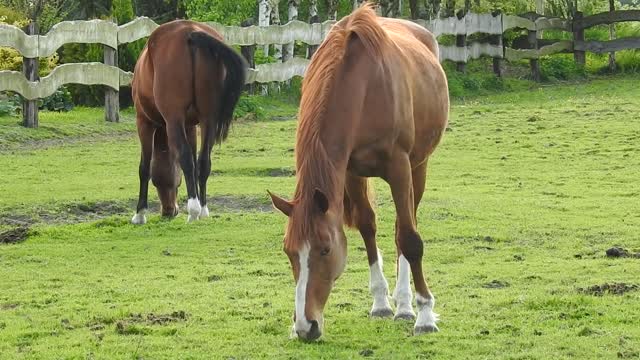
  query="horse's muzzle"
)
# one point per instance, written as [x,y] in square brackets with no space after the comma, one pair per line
[312,334]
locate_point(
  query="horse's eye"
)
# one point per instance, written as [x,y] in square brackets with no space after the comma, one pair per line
[324,251]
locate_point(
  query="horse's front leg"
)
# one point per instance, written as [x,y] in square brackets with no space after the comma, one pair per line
[410,248]
[358,206]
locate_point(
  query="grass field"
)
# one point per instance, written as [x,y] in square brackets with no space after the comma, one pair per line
[525,194]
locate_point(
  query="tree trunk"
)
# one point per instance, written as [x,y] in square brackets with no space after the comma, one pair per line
[264,10]
[332,9]
[293,15]
[433,8]
[449,8]
[413,5]
[275,20]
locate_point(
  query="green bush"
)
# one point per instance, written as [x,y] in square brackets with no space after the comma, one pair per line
[249,105]
[9,105]
[560,67]
[60,101]
[476,81]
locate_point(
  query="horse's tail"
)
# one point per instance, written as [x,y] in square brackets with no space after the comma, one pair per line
[350,214]
[234,80]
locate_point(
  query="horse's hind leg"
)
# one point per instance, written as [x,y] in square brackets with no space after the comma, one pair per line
[204,164]
[361,215]
[410,247]
[178,142]
[145,133]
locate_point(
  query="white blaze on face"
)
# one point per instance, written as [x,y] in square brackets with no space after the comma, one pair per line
[302,324]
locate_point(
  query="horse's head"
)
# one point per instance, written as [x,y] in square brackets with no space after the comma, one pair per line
[166,177]
[317,249]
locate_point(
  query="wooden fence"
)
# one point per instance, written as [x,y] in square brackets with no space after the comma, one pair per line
[33,46]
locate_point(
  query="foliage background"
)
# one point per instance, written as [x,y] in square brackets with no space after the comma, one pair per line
[478,77]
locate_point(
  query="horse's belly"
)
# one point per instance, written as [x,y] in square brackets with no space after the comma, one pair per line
[369,161]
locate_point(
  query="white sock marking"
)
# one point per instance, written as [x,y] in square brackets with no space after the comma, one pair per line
[402,294]
[378,286]
[139,218]
[204,212]
[193,207]
[302,324]
[426,316]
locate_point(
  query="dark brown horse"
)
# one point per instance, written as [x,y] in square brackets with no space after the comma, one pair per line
[375,103]
[186,76]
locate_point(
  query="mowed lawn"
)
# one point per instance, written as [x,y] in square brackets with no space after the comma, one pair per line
[525,194]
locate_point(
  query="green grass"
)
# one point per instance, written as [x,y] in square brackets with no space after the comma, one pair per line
[527,190]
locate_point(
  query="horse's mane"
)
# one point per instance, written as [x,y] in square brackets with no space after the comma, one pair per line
[314,167]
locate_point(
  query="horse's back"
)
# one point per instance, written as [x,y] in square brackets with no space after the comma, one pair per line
[393,26]
[416,62]
[164,73]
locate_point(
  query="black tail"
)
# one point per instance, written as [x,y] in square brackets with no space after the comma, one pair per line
[236,68]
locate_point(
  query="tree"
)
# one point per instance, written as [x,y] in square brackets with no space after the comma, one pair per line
[45,13]
[293,15]
[332,9]
[89,9]
[413,6]
[162,11]
[228,12]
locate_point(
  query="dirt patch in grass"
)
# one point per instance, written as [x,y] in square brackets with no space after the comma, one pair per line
[78,212]
[618,252]
[135,323]
[609,288]
[239,203]
[496,284]
[60,139]
[9,306]
[13,236]
[278,172]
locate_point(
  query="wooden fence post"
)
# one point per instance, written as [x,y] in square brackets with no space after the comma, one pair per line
[497,40]
[111,96]
[534,63]
[30,70]
[248,52]
[461,41]
[612,36]
[578,36]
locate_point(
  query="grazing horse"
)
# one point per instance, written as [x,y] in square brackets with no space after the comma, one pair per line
[185,76]
[374,103]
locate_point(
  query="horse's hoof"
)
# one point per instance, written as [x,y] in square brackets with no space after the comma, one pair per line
[204,212]
[405,316]
[424,329]
[139,219]
[381,313]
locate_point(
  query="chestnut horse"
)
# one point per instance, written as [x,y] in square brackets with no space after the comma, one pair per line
[374,103]
[185,76]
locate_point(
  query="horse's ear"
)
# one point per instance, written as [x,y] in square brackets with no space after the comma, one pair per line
[321,200]
[281,204]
